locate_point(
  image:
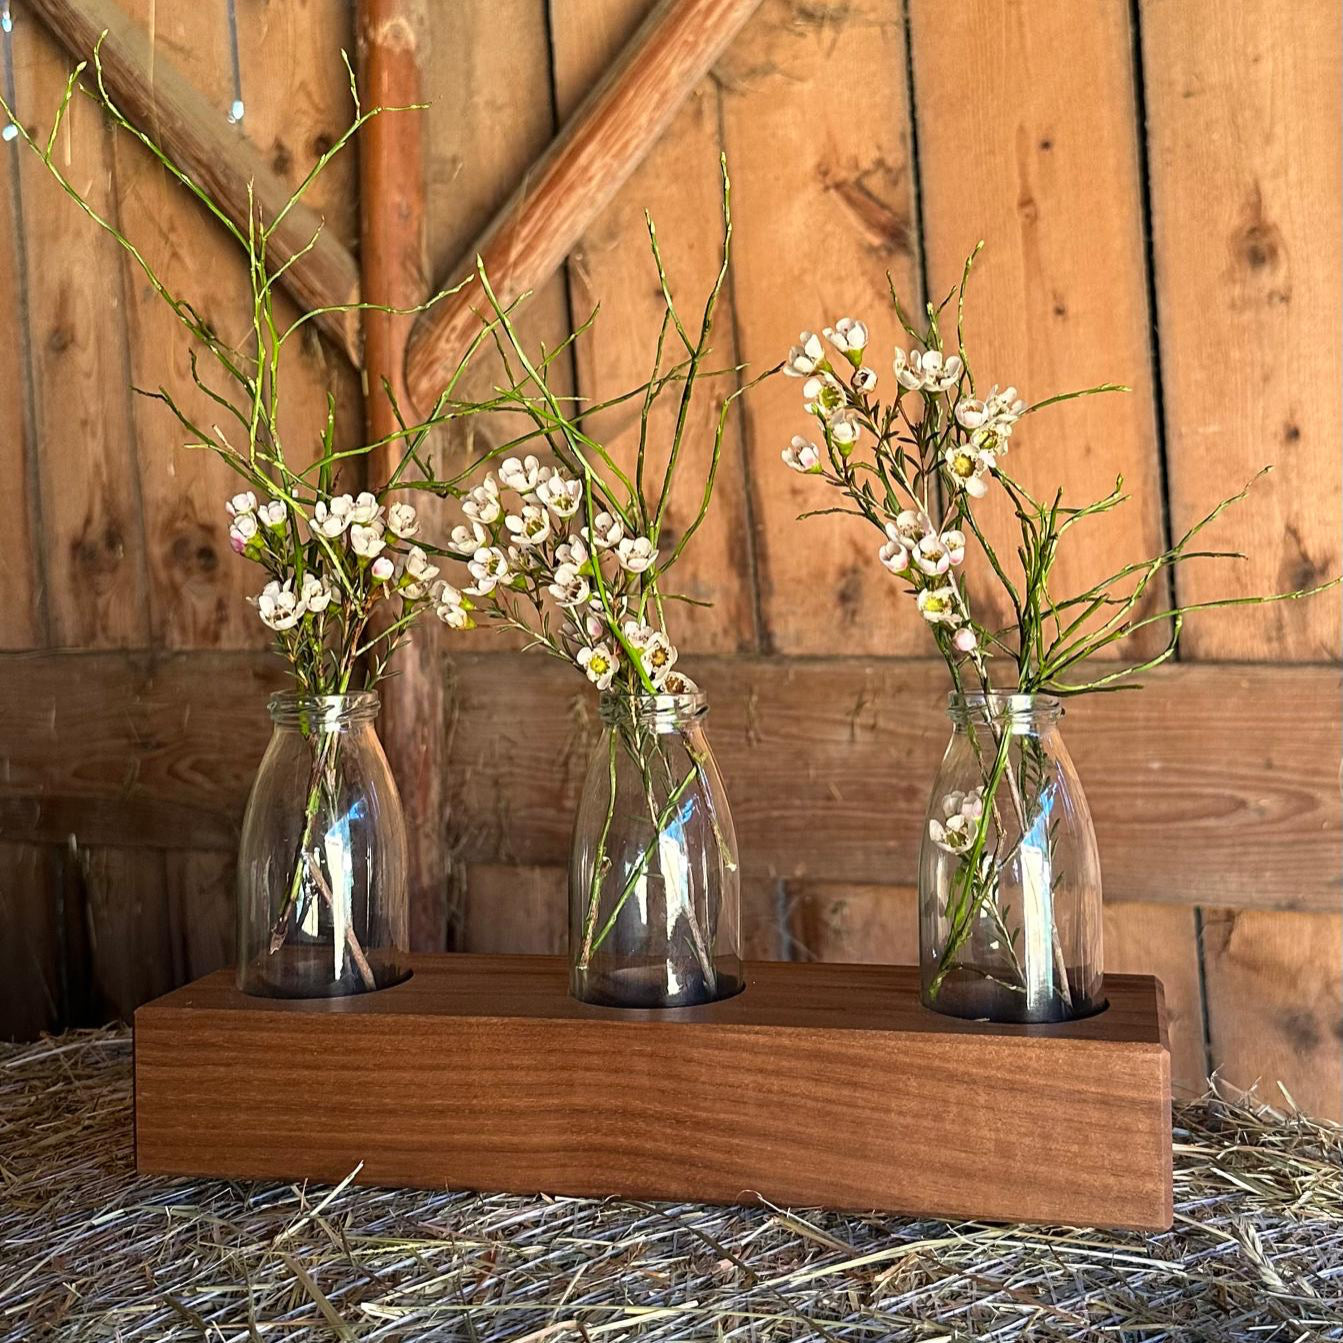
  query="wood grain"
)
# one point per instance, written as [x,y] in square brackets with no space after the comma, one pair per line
[1207,786]
[24,618]
[87,478]
[877,925]
[580,172]
[31,951]
[148,750]
[1162,940]
[1244,123]
[153,88]
[816,129]
[611,264]
[1043,164]
[462,1089]
[1275,1004]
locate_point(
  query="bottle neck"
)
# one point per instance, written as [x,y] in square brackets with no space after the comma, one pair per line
[1017,713]
[323,713]
[653,713]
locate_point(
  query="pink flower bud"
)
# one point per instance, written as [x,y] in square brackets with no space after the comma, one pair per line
[383,569]
[964,640]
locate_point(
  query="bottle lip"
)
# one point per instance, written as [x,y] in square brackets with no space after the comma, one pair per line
[997,705]
[663,709]
[292,708]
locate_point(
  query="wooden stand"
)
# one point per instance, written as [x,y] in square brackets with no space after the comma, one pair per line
[820,1084]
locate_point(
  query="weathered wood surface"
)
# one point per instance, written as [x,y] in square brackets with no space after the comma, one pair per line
[1246,177]
[1207,786]
[482,1073]
[581,170]
[157,95]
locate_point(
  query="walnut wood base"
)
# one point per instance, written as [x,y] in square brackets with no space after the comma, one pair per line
[820,1084]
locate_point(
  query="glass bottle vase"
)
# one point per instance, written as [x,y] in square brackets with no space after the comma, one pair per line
[1009,878]
[654,909]
[322,901]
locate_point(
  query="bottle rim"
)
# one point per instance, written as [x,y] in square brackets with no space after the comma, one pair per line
[1003,705]
[661,709]
[293,708]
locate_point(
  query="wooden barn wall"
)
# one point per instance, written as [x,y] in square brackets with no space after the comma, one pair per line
[1161,199]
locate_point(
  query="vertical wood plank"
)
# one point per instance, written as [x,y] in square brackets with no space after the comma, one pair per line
[21,600]
[855,924]
[92,527]
[816,128]
[201,904]
[1244,128]
[198,587]
[679,184]
[764,935]
[523,910]
[1275,1003]
[1041,161]
[1162,940]
[30,950]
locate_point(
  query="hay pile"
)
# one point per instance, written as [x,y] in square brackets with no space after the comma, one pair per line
[88,1252]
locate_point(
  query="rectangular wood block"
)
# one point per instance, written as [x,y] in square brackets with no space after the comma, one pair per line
[818,1085]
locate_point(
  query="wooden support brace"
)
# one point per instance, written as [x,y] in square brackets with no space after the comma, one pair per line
[156,97]
[579,173]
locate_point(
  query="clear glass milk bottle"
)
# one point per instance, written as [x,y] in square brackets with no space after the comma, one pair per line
[1009,877]
[322,901]
[654,916]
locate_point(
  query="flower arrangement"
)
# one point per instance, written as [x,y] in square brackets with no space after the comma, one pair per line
[574,553]
[916,466]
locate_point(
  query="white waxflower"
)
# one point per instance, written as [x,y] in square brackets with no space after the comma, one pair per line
[824,396]
[279,606]
[955,835]
[895,553]
[805,356]
[593,625]
[658,658]
[521,476]
[366,510]
[331,519]
[967,468]
[954,542]
[366,542]
[911,527]
[382,569]
[965,640]
[489,567]
[559,495]
[968,804]
[272,515]
[240,504]
[845,429]
[532,528]
[848,336]
[418,575]
[569,587]
[931,556]
[865,379]
[990,421]
[679,684]
[802,456]
[606,531]
[636,633]
[402,521]
[482,503]
[315,594]
[242,532]
[452,608]
[927,370]
[467,538]
[636,553]
[600,663]
[572,551]
[938,606]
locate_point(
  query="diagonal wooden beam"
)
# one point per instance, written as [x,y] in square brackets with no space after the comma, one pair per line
[573,181]
[155,96]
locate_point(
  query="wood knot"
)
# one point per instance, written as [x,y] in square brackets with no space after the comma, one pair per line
[194,552]
[60,338]
[99,554]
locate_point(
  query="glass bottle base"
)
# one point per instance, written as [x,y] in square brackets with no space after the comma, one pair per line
[652,987]
[308,972]
[975,997]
